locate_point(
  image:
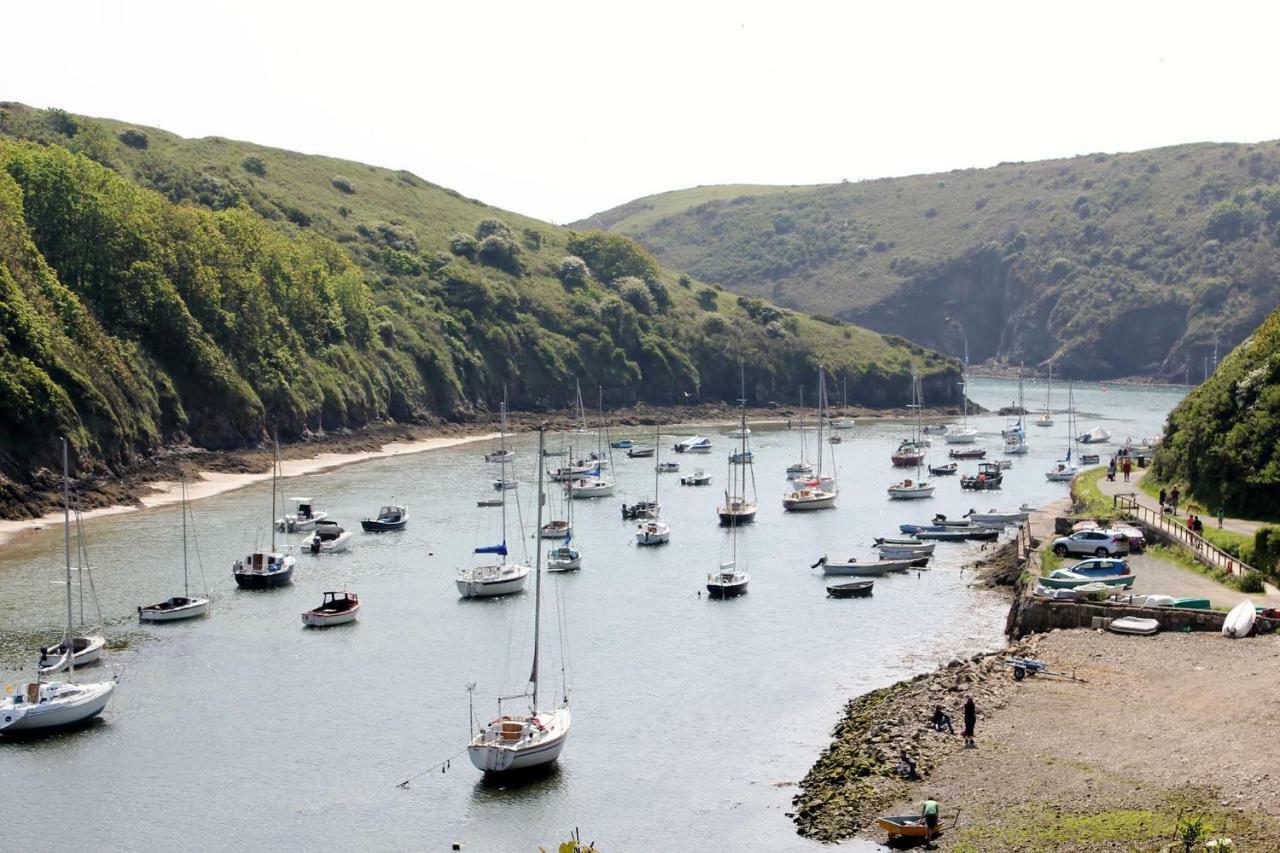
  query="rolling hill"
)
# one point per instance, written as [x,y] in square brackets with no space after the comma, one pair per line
[1107,265]
[158,290]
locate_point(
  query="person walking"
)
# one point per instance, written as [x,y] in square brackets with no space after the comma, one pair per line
[1128,467]
[1164,497]
[1173,499]
[970,720]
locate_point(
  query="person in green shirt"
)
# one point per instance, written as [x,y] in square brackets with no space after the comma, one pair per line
[929,811]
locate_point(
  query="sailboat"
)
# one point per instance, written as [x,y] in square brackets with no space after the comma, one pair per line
[266,569]
[653,530]
[1046,419]
[50,705]
[819,492]
[801,469]
[534,738]
[909,489]
[179,606]
[731,580]
[503,577]
[1015,437]
[593,482]
[1064,470]
[564,557]
[965,434]
[844,421]
[738,509]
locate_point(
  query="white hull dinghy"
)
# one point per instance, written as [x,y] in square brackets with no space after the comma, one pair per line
[338,608]
[558,529]
[88,651]
[1239,621]
[1134,625]
[564,559]
[655,532]
[183,606]
[329,538]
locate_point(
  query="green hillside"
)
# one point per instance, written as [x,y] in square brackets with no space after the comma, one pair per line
[156,290]
[1108,265]
[1224,438]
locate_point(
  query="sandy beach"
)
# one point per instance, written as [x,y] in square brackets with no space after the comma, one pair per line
[210,483]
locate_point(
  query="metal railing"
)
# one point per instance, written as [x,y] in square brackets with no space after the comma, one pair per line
[1204,550]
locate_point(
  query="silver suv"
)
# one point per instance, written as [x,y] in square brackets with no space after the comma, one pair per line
[1092,543]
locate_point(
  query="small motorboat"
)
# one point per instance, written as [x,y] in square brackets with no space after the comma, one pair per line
[741,457]
[943,470]
[622,444]
[667,467]
[975,453]
[654,532]
[391,517]
[640,509]
[329,538]
[994,516]
[853,589]
[1097,435]
[1133,625]
[590,487]
[853,567]
[730,581]
[799,471]
[697,478]
[87,650]
[505,485]
[302,519]
[564,559]
[1067,579]
[338,608]
[489,502]
[693,444]
[948,534]
[904,826]
[1090,459]
[740,432]
[842,423]
[500,456]
[989,477]
[638,452]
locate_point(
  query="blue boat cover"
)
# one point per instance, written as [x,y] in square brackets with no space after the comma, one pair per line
[493,549]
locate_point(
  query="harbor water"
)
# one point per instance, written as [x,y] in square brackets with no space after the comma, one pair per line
[692,718]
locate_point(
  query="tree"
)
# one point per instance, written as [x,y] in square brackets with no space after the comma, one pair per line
[573,272]
[611,256]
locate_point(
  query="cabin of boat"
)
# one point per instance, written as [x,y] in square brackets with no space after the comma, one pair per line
[389,518]
[329,536]
[697,478]
[303,518]
[694,444]
[728,582]
[640,509]
[264,569]
[337,608]
[989,476]
[174,609]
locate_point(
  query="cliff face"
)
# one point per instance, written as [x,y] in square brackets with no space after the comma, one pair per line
[1108,265]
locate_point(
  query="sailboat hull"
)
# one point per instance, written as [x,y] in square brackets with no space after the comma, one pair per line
[57,714]
[804,503]
[494,757]
[174,610]
[727,589]
[264,580]
[483,588]
[87,651]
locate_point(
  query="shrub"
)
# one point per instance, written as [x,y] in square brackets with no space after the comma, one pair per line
[1059,269]
[1225,221]
[611,256]
[713,324]
[494,227]
[1266,550]
[658,291]
[254,165]
[532,239]
[134,138]
[979,204]
[775,330]
[573,272]
[706,299]
[387,332]
[1251,582]
[634,291]
[499,251]
[63,122]
[343,185]
[685,282]
[464,246]
[930,213]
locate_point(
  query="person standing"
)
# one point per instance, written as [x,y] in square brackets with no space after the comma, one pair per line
[1173,499]
[1128,466]
[1164,497]
[970,720]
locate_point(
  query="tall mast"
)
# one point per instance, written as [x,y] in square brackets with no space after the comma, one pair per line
[69,643]
[537,582]
[822,396]
[275,469]
[657,458]
[186,582]
[802,423]
[502,469]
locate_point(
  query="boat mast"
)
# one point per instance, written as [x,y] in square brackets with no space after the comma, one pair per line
[275,469]
[657,459]
[502,470]
[186,581]
[822,396]
[964,381]
[537,582]
[801,423]
[69,641]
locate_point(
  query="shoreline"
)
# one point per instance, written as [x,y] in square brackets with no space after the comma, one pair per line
[210,483]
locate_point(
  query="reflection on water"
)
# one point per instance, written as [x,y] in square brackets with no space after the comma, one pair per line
[692,718]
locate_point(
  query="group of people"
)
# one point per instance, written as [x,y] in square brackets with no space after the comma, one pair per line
[1126,468]
[942,720]
[1169,500]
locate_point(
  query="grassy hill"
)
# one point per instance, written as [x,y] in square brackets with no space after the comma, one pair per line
[1108,265]
[155,289]
[1224,438]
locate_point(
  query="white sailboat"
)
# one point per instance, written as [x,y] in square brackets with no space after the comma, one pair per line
[965,434]
[738,508]
[594,483]
[909,489]
[1046,417]
[183,606]
[51,705]
[802,469]
[267,569]
[819,492]
[534,738]
[1065,470]
[653,530]
[505,576]
[732,578]
[1015,438]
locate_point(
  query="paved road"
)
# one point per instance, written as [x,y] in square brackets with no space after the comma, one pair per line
[1119,487]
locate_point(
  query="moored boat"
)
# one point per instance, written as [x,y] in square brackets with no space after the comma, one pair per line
[697,478]
[390,517]
[853,589]
[943,470]
[329,538]
[178,607]
[337,608]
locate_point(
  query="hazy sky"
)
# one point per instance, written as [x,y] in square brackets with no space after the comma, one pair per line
[562,109]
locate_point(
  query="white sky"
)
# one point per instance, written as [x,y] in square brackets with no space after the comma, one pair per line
[562,109]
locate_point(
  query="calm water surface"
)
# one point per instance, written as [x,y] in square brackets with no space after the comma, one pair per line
[691,717]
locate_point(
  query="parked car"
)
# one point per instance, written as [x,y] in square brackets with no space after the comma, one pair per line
[1099,543]
[1137,539]
[1100,567]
